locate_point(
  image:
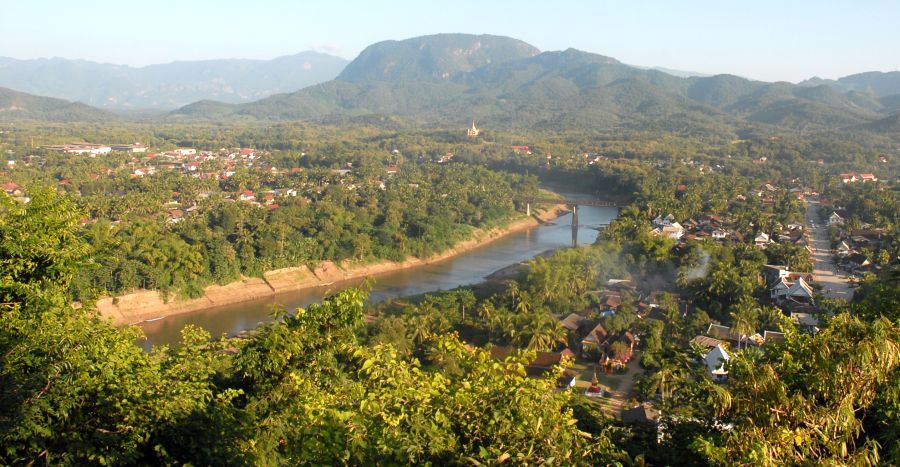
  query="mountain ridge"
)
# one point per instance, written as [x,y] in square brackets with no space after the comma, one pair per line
[434,77]
[167,86]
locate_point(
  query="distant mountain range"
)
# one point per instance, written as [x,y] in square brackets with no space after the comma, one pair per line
[167,86]
[449,79]
[457,77]
[873,82]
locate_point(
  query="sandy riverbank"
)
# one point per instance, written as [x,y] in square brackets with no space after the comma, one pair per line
[145,305]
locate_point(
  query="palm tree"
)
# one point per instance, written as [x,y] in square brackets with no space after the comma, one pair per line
[742,323]
[545,333]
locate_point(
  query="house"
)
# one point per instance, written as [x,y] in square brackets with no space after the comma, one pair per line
[773,336]
[843,248]
[798,291]
[392,170]
[779,289]
[673,231]
[12,189]
[611,302]
[849,178]
[595,338]
[175,216]
[521,149]
[773,273]
[247,196]
[724,333]
[762,239]
[540,365]
[711,220]
[805,321]
[284,192]
[572,322]
[566,380]
[599,340]
[835,219]
[857,261]
[716,360]
[719,234]
[706,341]
[661,221]
[801,291]
[868,178]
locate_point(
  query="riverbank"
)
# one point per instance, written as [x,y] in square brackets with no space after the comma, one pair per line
[145,305]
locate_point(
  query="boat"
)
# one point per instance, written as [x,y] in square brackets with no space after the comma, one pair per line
[153,319]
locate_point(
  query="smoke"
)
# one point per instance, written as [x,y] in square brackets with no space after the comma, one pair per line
[701,269]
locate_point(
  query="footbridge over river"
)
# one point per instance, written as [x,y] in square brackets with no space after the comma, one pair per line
[573,205]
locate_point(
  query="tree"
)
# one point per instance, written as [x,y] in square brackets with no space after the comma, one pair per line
[806,401]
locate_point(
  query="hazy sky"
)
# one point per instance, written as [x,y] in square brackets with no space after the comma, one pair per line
[762,39]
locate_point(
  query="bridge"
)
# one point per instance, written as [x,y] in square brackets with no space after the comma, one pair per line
[573,204]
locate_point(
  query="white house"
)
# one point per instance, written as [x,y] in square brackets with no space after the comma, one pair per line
[716,360]
[780,288]
[673,231]
[719,234]
[844,248]
[661,221]
[798,290]
[835,219]
[762,239]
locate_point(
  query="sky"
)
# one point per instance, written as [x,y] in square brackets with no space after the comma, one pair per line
[760,39]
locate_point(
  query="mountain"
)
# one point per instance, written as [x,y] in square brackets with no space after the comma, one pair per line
[874,82]
[433,58]
[167,86]
[673,72]
[456,77]
[16,105]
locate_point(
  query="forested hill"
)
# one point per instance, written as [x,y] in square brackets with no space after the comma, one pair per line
[21,106]
[875,82]
[170,85]
[455,77]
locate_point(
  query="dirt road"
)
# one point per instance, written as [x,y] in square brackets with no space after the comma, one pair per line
[834,282]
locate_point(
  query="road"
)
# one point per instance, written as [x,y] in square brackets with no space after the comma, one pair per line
[619,397]
[834,283]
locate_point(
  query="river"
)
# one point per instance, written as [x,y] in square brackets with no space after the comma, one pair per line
[464,269]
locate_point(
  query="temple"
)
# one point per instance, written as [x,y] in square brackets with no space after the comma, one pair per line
[473,132]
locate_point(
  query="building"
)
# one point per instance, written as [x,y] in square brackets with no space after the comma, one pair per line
[835,219]
[762,239]
[474,131]
[92,149]
[798,291]
[716,360]
[132,148]
[853,177]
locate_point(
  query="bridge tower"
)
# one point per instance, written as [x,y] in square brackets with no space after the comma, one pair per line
[574,225]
